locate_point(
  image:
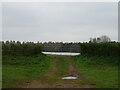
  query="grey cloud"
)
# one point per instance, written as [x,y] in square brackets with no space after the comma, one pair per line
[59,21]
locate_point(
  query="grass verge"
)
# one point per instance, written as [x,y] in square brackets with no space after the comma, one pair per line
[98,71]
[62,65]
[18,68]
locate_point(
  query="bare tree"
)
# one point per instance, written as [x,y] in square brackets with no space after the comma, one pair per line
[105,38]
[102,38]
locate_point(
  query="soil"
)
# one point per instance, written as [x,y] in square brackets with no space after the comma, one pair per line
[49,79]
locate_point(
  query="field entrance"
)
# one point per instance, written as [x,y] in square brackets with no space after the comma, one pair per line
[61,66]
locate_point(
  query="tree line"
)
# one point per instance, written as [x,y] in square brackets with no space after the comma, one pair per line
[104,49]
[61,47]
[30,48]
[18,48]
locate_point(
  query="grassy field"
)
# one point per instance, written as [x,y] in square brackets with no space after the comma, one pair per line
[101,72]
[95,71]
[17,68]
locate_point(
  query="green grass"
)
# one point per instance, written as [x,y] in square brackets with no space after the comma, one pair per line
[62,65]
[98,70]
[18,68]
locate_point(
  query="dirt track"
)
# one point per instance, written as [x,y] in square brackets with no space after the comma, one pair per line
[49,79]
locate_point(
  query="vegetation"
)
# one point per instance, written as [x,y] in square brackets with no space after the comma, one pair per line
[18,48]
[62,66]
[101,49]
[61,47]
[98,71]
[17,68]
[98,62]
[102,38]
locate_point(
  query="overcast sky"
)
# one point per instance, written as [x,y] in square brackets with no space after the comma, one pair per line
[60,21]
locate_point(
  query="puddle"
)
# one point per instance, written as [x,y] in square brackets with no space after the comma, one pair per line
[70,77]
[61,53]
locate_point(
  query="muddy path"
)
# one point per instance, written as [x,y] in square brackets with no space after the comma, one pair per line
[72,83]
[52,80]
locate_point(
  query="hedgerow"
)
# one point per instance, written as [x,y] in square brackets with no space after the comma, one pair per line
[18,48]
[104,49]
